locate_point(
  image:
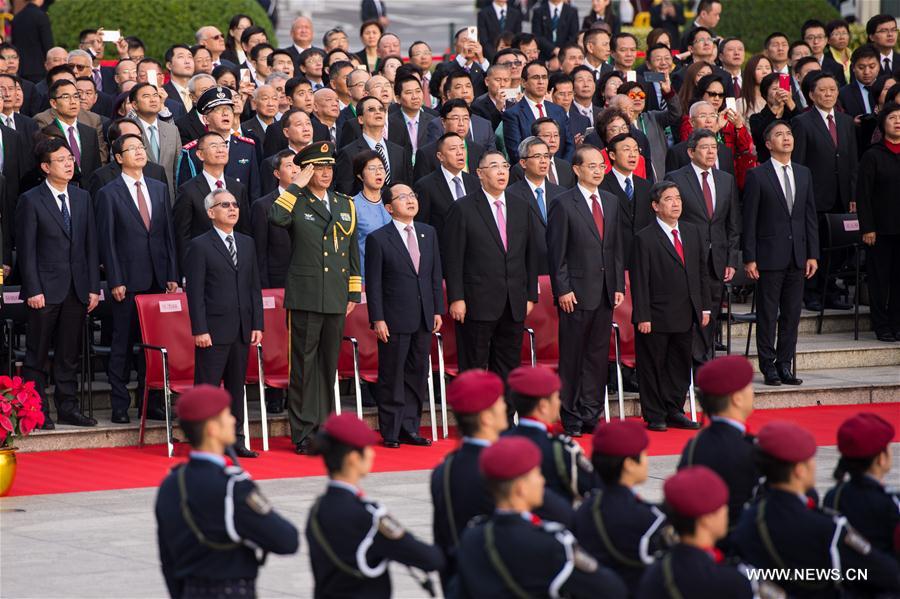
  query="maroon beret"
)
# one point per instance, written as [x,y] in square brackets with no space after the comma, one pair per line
[509,458]
[346,428]
[201,403]
[695,491]
[786,441]
[474,391]
[864,435]
[536,381]
[620,438]
[725,375]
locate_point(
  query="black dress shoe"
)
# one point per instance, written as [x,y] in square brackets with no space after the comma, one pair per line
[48,424]
[76,418]
[392,444]
[813,305]
[572,433]
[302,447]
[120,417]
[836,304]
[771,379]
[659,427]
[154,413]
[721,346]
[276,407]
[243,452]
[415,440]
[787,377]
[682,421]
[887,337]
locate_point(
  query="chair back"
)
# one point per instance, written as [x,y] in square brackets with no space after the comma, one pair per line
[357,326]
[841,231]
[275,342]
[13,307]
[165,322]
[544,321]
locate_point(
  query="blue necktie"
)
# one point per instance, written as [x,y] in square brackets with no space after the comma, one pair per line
[554,21]
[541,204]
[629,189]
[67,218]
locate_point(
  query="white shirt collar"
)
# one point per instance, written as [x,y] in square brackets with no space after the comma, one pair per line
[372,142]
[129,182]
[621,178]
[212,180]
[698,171]
[222,235]
[56,192]
[146,125]
[533,105]
[401,228]
[449,177]
[780,165]
[542,186]
[491,199]
[498,8]
[587,193]
[667,229]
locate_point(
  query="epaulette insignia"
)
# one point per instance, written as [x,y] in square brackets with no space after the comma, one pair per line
[244,139]
[190,145]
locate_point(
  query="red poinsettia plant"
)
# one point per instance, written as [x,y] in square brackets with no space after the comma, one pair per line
[20,409]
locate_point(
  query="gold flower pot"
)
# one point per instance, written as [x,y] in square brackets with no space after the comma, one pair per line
[7,469]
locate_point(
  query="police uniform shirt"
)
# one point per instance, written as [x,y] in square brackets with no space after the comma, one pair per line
[870,509]
[690,572]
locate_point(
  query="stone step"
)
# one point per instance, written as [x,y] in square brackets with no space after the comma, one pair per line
[835,321]
[833,350]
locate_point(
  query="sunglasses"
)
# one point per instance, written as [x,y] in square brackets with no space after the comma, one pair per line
[637,95]
[715,94]
[227,205]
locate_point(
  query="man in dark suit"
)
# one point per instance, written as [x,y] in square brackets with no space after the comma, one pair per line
[398,161]
[780,248]
[225,302]
[633,191]
[457,87]
[709,201]
[13,163]
[517,119]
[137,250]
[446,182]
[406,299]
[58,262]
[81,139]
[112,170]
[554,23]
[825,143]
[584,243]
[703,115]
[855,97]
[668,15]
[670,296]
[539,193]
[32,35]
[374,10]
[469,58]
[491,270]
[560,171]
[455,118]
[189,209]
[494,19]
[489,105]
[409,125]
[881,31]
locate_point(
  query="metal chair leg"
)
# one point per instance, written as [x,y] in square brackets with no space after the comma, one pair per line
[434,434]
[692,398]
[530,333]
[264,421]
[337,394]
[440,346]
[619,383]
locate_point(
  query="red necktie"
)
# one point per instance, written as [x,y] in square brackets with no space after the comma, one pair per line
[219,185]
[737,88]
[707,194]
[832,128]
[540,108]
[679,249]
[143,209]
[598,215]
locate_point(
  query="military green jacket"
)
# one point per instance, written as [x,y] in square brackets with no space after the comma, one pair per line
[324,272]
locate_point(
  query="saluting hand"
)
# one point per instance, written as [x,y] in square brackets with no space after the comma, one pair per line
[303,176]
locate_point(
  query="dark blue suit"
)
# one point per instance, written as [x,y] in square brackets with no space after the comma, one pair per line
[242,165]
[61,264]
[407,300]
[517,126]
[225,301]
[542,27]
[140,259]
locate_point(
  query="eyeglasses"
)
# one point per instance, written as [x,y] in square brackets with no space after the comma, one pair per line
[815,38]
[68,97]
[214,146]
[538,77]
[376,109]
[216,37]
[702,40]
[594,166]
[637,95]
[375,169]
[81,67]
[64,160]
[227,205]
[513,63]
[545,156]
[406,196]
[714,94]
[887,31]
[140,148]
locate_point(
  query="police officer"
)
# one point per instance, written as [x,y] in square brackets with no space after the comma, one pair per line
[534,392]
[726,386]
[515,554]
[217,107]
[783,530]
[323,285]
[352,539]
[865,461]
[214,525]
[614,524]
[697,508]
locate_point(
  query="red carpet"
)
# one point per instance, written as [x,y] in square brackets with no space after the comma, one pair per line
[129,467]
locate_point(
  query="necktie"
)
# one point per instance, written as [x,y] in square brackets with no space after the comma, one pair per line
[737,87]
[326,203]
[629,189]
[550,176]
[457,183]
[679,249]
[186,100]
[501,223]
[832,128]
[231,250]
[412,244]
[540,109]
[219,185]
[788,191]
[887,64]
[142,205]
[98,78]
[707,194]
[597,213]
[414,134]
[554,21]
[10,122]
[73,145]
[379,149]
[67,218]
[541,204]
[503,21]
[331,134]
[154,144]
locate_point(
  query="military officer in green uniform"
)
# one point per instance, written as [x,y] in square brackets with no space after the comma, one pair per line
[323,285]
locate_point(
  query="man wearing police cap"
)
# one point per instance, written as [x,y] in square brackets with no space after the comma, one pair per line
[323,285]
[214,525]
[216,106]
[784,529]
[534,392]
[513,553]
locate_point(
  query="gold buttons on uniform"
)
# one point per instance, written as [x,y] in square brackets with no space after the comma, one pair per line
[326,253]
[326,269]
[326,237]
[343,270]
[343,254]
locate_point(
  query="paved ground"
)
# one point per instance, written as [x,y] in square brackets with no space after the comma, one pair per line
[104,544]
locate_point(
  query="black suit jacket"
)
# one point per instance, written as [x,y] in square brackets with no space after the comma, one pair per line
[32,37]
[670,24]
[565,176]
[224,300]
[90,150]
[580,260]
[405,299]
[489,27]
[634,214]
[542,27]
[175,96]
[131,255]
[369,10]
[253,126]
[475,70]
[677,157]
[398,131]
[273,243]
[190,214]
[834,67]
[833,169]
[484,107]
[478,269]
[773,237]
[274,139]
[665,292]
[427,162]
[436,197]
[51,259]
[721,233]
[522,190]
[851,99]
[398,156]
[190,127]
[109,172]
[14,162]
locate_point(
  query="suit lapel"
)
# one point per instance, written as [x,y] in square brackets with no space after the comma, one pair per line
[668,245]
[773,179]
[697,194]
[581,206]
[220,246]
[721,191]
[819,125]
[125,195]
[394,236]
[50,204]
[482,204]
